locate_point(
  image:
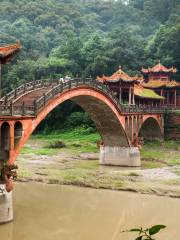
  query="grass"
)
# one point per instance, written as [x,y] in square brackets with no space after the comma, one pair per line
[151,164]
[133,174]
[74,140]
[92,165]
[26,150]
[157,153]
[76,176]
[152,154]
[24,173]
[172,182]
[41,151]
[177,172]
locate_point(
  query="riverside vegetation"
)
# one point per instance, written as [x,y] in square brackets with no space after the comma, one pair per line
[148,233]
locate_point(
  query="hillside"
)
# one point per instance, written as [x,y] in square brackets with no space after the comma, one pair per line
[89,37]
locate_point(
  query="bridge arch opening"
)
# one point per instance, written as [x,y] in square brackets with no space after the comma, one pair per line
[5,141]
[18,130]
[104,118]
[150,129]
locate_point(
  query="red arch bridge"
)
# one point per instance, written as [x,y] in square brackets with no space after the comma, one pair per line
[22,110]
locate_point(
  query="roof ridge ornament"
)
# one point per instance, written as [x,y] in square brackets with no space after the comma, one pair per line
[158,68]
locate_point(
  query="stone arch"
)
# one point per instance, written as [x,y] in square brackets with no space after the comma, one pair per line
[18,131]
[150,129]
[4,141]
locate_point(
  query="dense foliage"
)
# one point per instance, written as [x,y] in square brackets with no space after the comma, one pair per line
[88,37]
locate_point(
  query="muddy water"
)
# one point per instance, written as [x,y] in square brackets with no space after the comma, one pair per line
[52,212]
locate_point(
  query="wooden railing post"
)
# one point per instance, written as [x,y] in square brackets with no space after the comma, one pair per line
[11,108]
[34,84]
[23,108]
[35,107]
[15,93]
[69,84]
[61,87]
[77,82]
[5,100]
[44,99]
[24,87]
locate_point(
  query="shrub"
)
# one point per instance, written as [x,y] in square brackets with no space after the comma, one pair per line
[57,144]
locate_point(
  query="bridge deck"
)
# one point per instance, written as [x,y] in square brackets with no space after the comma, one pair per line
[31,98]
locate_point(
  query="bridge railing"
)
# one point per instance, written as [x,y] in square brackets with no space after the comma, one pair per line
[21,110]
[26,87]
[58,87]
[143,109]
[73,83]
[8,108]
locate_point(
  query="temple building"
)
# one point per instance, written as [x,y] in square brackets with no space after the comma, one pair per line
[7,53]
[155,88]
[160,79]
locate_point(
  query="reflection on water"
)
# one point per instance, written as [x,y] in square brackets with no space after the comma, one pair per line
[50,212]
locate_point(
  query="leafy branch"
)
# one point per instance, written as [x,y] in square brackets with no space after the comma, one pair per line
[146,234]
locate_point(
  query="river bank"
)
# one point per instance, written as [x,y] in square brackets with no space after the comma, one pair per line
[76,163]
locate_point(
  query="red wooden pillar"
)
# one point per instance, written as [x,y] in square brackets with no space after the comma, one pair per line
[130,96]
[137,127]
[175,98]
[133,97]
[132,128]
[168,102]
[11,148]
[120,95]
[162,101]
[0,78]
[0,136]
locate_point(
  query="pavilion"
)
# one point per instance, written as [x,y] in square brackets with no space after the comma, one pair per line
[160,79]
[154,88]
[130,90]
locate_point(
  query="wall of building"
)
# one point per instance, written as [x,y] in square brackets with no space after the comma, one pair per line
[172,125]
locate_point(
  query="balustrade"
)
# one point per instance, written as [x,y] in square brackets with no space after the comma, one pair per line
[9,108]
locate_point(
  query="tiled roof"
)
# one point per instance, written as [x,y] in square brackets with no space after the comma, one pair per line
[146,93]
[160,83]
[120,75]
[7,51]
[159,68]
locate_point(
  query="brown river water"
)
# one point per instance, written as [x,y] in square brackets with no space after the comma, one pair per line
[54,212]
